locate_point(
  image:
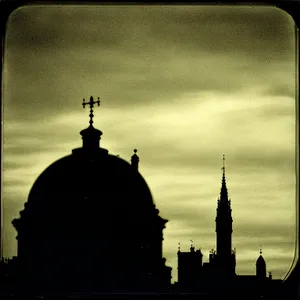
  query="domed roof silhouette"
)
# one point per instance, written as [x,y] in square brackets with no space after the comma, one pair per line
[92,186]
[103,182]
[92,213]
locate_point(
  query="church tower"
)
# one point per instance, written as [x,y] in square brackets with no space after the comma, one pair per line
[225,255]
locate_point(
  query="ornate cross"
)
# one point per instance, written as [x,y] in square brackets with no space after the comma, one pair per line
[91,104]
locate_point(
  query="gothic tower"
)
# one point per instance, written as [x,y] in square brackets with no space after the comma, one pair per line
[225,255]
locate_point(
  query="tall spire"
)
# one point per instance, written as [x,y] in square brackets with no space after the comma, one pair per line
[223,193]
[226,258]
[90,135]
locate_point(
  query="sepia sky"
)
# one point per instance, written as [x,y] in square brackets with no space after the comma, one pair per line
[182,84]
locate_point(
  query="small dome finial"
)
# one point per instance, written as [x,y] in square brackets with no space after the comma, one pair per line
[135,160]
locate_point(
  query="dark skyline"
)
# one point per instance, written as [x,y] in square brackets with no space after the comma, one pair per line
[183,85]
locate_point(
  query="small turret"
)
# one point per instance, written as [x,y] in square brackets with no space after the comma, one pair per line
[135,160]
[261,268]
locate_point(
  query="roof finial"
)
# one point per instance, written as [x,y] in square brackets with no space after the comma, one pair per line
[224,193]
[260,250]
[135,160]
[91,104]
[90,135]
[192,246]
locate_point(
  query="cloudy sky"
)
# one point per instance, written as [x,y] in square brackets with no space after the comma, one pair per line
[182,84]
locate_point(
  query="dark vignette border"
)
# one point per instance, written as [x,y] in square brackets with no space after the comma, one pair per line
[292,7]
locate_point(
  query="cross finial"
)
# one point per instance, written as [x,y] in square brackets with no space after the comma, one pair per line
[91,104]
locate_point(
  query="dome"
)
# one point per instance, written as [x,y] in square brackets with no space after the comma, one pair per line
[90,191]
[97,184]
[91,213]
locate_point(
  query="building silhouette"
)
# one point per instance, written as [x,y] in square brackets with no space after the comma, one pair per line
[189,267]
[218,275]
[90,224]
[225,256]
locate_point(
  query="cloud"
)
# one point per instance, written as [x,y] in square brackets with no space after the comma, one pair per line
[210,28]
[157,57]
